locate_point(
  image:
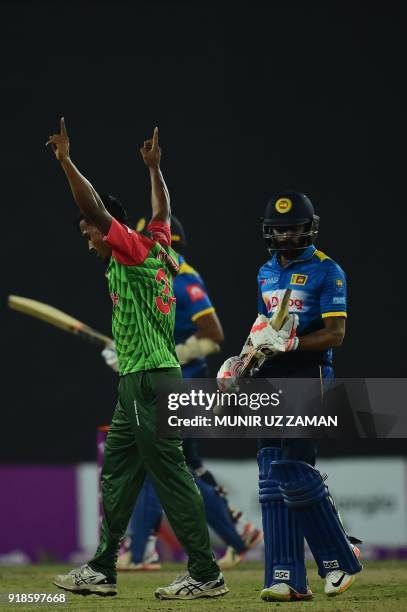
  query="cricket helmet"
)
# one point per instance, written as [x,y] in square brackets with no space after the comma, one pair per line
[289,209]
[178,238]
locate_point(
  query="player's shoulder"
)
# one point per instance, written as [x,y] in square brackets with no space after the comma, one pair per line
[186,269]
[327,263]
[267,267]
[187,274]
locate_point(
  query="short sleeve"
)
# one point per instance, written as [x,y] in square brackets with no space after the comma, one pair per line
[195,296]
[128,246]
[333,292]
[161,232]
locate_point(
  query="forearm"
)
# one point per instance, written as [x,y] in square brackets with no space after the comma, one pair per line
[160,197]
[320,340]
[84,194]
[210,327]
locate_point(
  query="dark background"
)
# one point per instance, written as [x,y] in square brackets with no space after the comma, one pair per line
[249,99]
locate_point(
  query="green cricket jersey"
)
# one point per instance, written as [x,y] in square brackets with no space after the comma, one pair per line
[140,276]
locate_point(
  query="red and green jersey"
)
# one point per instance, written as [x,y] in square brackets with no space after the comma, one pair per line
[140,276]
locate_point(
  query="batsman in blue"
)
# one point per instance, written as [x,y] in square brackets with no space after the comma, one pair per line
[295,500]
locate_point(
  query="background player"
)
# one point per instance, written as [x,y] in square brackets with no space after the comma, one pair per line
[140,284]
[303,348]
[197,333]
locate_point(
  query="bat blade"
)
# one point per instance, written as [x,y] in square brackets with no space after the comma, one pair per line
[281,313]
[57,318]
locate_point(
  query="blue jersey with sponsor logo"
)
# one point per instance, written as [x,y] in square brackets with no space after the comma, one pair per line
[192,302]
[318,287]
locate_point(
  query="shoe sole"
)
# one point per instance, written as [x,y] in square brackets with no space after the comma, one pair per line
[269,595]
[87,591]
[212,593]
[343,588]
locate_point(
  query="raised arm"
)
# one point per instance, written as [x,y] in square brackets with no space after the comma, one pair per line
[160,197]
[86,197]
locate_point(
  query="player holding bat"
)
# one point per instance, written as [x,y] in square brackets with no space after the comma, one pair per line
[295,500]
[139,273]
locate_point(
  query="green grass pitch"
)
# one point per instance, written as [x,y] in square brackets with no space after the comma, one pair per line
[381,587]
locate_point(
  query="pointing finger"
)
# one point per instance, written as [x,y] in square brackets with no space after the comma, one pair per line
[155,138]
[63,127]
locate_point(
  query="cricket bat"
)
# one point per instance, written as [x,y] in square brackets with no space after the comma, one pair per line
[255,358]
[56,317]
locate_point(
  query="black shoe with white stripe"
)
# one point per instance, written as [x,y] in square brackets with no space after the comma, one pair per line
[185,587]
[86,581]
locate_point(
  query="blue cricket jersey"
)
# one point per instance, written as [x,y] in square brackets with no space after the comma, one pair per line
[192,302]
[318,287]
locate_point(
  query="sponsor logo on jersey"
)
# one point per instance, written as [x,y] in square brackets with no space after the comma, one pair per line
[195,292]
[295,304]
[281,574]
[284,205]
[339,300]
[298,279]
[115,298]
[269,281]
[331,564]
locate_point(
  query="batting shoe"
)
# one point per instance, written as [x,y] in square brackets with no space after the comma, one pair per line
[284,592]
[151,560]
[230,558]
[185,587]
[251,536]
[337,581]
[86,581]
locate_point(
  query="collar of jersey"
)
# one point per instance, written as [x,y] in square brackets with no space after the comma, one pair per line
[305,256]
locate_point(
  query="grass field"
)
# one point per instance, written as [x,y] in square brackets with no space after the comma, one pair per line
[381,587]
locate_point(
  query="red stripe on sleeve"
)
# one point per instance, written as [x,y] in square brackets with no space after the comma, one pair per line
[128,246]
[161,232]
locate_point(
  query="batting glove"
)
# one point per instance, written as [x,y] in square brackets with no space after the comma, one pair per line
[194,347]
[110,356]
[287,340]
[262,334]
[229,373]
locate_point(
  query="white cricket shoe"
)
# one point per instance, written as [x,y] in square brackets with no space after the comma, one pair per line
[337,581]
[86,581]
[185,587]
[230,558]
[251,537]
[151,559]
[284,592]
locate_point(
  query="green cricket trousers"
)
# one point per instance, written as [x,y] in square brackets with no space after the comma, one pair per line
[134,450]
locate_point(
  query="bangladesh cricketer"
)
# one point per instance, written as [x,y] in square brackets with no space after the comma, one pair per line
[295,500]
[139,275]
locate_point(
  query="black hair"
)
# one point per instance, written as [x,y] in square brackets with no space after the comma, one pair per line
[113,206]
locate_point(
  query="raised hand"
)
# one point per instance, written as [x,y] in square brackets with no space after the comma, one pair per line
[60,142]
[151,152]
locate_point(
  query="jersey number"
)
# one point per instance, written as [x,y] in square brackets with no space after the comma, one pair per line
[162,306]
